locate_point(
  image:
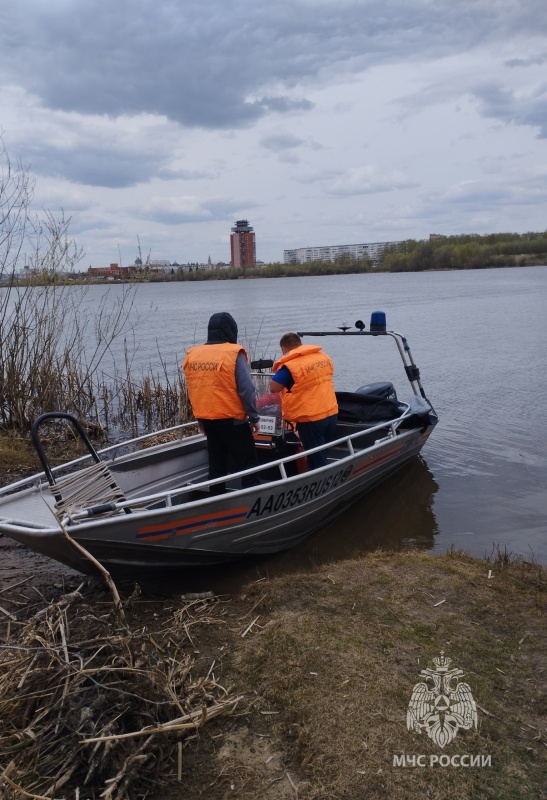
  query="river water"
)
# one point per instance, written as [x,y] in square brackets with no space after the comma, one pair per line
[479,338]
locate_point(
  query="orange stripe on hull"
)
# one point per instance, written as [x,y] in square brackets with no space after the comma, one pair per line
[191,524]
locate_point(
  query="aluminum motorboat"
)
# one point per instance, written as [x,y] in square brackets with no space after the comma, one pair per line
[146,504]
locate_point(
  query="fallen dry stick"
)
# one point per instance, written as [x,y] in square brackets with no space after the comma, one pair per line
[193,720]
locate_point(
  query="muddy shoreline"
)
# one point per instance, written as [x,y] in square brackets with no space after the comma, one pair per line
[17,562]
[322,662]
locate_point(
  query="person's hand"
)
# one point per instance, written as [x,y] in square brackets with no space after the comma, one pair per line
[255,427]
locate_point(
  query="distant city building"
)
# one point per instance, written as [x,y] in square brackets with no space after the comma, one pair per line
[152,267]
[158,265]
[242,245]
[436,236]
[190,266]
[113,272]
[371,250]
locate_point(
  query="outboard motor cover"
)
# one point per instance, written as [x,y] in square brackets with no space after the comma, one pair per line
[380,389]
[366,408]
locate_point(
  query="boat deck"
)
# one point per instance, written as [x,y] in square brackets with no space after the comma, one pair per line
[34,508]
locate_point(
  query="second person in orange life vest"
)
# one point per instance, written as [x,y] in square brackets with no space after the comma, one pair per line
[303,375]
[223,399]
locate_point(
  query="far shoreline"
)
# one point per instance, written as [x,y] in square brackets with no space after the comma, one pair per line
[260,273]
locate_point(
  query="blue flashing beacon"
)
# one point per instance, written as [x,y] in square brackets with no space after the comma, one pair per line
[378,322]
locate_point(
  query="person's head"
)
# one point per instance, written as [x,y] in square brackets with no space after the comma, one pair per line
[289,341]
[222,328]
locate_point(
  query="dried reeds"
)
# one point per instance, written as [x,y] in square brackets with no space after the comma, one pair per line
[141,405]
[91,704]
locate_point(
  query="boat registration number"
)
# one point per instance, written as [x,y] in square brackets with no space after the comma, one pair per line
[294,497]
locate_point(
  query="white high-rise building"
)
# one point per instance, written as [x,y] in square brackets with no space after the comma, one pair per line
[371,250]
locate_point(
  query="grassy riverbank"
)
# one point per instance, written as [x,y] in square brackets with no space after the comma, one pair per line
[324,663]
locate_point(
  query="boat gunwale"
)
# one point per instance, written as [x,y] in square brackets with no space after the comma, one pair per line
[39,477]
[85,522]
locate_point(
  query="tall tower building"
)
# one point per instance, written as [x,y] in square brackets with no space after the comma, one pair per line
[242,245]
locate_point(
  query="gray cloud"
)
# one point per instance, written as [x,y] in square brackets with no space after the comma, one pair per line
[485,195]
[98,151]
[493,99]
[526,62]
[86,224]
[318,176]
[282,104]
[498,102]
[205,101]
[94,167]
[177,210]
[281,141]
[210,64]
[369,180]
[176,173]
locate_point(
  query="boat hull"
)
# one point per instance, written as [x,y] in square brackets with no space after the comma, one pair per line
[263,520]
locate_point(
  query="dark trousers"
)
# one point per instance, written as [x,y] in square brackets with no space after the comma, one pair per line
[312,434]
[231,448]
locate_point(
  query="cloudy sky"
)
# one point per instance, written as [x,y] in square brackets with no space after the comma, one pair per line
[322,122]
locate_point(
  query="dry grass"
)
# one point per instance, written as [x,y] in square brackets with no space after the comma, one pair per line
[16,453]
[166,438]
[95,705]
[333,659]
[18,458]
[325,661]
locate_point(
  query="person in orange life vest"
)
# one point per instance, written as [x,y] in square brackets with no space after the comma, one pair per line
[223,399]
[303,375]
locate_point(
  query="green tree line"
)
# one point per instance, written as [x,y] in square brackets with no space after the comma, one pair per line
[468,251]
[341,266]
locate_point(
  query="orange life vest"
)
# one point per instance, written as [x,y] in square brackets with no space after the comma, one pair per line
[210,371]
[312,396]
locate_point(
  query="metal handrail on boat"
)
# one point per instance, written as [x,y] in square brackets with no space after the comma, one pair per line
[38,477]
[167,496]
[390,426]
[378,328]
